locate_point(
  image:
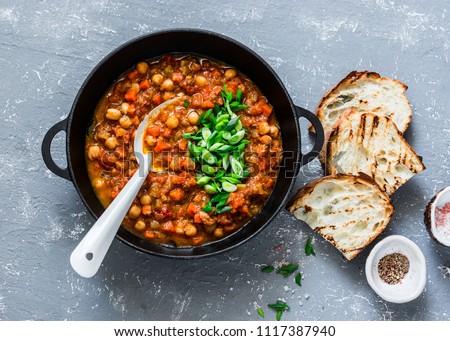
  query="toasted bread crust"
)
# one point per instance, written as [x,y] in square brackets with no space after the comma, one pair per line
[298,205]
[367,134]
[354,78]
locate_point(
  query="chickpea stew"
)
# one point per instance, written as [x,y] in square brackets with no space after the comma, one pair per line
[217,151]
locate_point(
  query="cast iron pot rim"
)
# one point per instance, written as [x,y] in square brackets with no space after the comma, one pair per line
[223,240]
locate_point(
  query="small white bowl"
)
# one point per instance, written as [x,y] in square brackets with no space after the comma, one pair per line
[440,199]
[414,282]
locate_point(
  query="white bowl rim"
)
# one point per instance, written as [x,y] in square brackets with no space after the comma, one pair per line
[422,264]
[437,235]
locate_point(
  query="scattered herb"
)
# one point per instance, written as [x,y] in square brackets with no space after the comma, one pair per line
[268,269]
[279,307]
[219,146]
[186,103]
[298,279]
[288,269]
[309,250]
[279,313]
[260,312]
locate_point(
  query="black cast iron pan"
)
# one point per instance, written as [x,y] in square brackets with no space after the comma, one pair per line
[211,45]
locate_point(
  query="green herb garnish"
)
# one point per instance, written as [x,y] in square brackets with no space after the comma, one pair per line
[268,269]
[309,250]
[279,307]
[298,279]
[186,103]
[219,146]
[288,269]
[279,313]
[260,312]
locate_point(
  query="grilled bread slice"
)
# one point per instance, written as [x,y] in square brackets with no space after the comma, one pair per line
[366,91]
[371,143]
[348,211]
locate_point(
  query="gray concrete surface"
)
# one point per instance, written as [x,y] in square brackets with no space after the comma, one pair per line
[47,50]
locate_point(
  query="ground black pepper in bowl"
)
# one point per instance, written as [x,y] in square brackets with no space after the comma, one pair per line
[393,267]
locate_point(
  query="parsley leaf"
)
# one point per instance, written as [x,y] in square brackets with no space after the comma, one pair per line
[268,269]
[309,250]
[288,269]
[260,312]
[298,279]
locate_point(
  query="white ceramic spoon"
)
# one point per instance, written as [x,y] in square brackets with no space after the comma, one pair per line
[90,252]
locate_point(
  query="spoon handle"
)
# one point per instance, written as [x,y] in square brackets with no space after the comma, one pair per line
[87,257]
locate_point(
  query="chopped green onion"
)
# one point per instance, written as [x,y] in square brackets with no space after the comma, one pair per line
[202,181]
[237,137]
[206,133]
[236,166]
[208,169]
[210,189]
[228,187]
[208,157]
[224,209]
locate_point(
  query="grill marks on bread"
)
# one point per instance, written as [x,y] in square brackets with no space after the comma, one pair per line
[371,143]
[365,91]
[348,211]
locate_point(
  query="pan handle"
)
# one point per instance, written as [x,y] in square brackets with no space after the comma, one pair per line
[46,154]
[320,137]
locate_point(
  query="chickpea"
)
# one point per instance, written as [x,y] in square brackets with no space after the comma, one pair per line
[190,230]
[274,131]
[146,199]
[157,79]
[111,143]
[168,95]
[142,67]
[193,117]
[200,81]
[266,139]
[125,122]
[179,230]
[124,107]
[113,114]
[93,152]
[134,212]
[150,140]
[167,85]
[154,224]
[264,128]
[98,183]
[140,225]
[230,73]
[120,132]
[172,122]
[135,87]
[218,232]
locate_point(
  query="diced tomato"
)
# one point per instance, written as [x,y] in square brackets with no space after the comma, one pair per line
[146,210]
[267,109]
[197,240]
[207,104]
[167,132]
[160,146]
[153,131]
[216,73]
[177,194]
[132,75]
[131,95]
[131,109]
[157,99]
[197,218]
[145,84]
[149,234]
[192,208]
[183,144]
